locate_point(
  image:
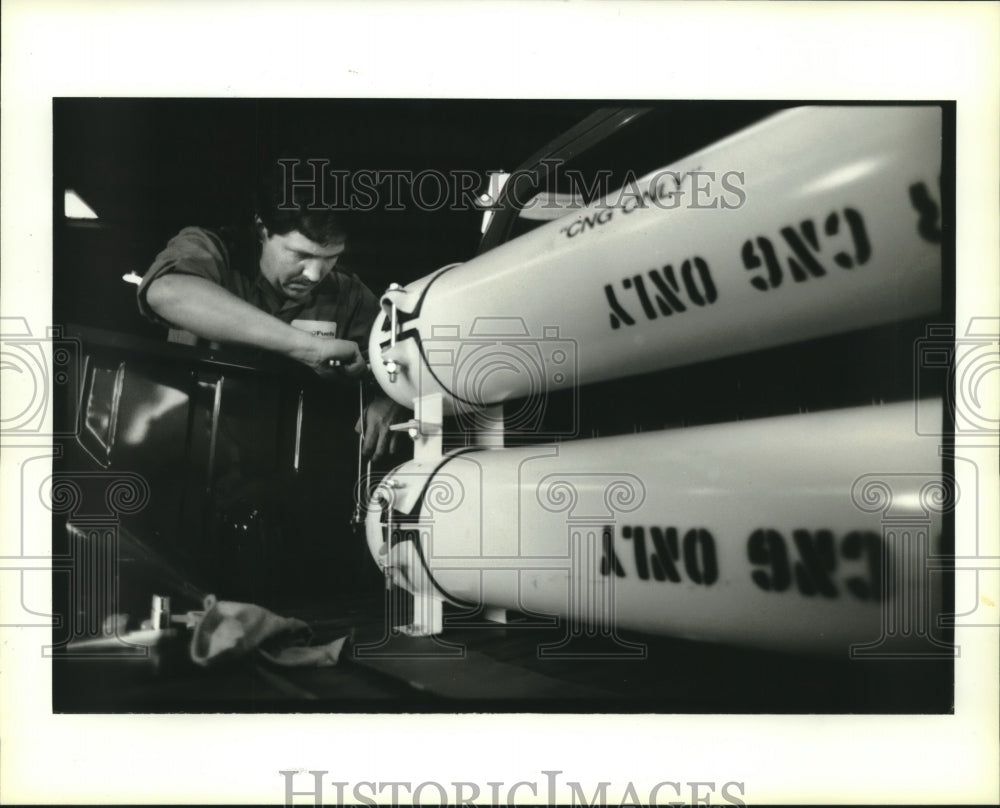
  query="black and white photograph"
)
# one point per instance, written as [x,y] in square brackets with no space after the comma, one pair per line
[507,415]
[626,393]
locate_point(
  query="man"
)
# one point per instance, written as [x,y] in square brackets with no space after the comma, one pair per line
[246,287]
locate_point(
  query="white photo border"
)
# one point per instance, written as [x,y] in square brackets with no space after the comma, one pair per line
[823,51]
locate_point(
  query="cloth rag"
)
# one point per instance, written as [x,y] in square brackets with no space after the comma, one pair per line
[229,630]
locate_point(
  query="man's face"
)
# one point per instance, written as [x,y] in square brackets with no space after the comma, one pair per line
[293,264]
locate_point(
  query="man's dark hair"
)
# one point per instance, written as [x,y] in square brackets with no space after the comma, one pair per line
[284,205]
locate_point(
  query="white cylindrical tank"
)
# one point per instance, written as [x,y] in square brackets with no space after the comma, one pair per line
[802,533]
[818,220]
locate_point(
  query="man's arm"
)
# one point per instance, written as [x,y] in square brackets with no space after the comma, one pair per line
[211,312]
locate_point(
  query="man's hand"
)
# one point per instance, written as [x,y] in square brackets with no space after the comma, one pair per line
[378,416]
[336,357]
